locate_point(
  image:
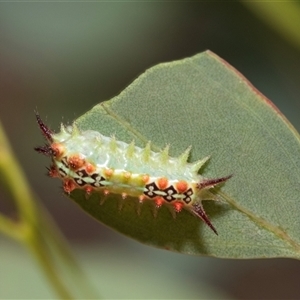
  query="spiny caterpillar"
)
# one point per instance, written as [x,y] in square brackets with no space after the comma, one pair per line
[93,162]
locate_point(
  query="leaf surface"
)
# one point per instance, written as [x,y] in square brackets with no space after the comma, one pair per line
[204,102]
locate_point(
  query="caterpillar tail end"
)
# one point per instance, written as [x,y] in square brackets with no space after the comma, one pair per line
[198,210]
[210,183]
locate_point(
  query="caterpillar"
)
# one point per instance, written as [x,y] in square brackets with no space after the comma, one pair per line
[93,162]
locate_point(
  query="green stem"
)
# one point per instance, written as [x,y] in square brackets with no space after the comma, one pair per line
[40,253]
[283,16]
[10,228]
[37,231]
[16,181]
[60,246]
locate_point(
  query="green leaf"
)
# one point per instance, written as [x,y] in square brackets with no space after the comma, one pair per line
[204,102]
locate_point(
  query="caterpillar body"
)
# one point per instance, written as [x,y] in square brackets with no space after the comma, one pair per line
[93,162]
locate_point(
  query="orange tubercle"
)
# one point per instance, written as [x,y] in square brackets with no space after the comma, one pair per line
[159,201]
[177,206]
[76,162]
[106,192]
[127,175]
[162,183]
[90,168]
[181,186]
[145,178]
[52,172]
[108,172]
[69,186]
[58,149]
[88,190]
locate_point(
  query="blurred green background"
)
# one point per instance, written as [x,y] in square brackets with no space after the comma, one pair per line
[64,58]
